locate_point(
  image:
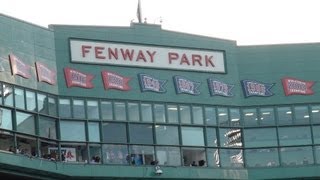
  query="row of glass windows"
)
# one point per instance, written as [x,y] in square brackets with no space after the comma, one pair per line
[150,133]
[156,112]
[165,155]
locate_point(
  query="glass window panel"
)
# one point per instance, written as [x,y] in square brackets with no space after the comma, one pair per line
[78,109]
[193,156]
[1,86]
[296,156]
[167,135]
[197,115]
[115,154]
[294,135]
[7,142]
[6,119]
[159,113]
[31,100]
[52,106]
[301,115]
[142,155]
[41,100]
[210,115]
[317,154]
[230,137]
[94,132]
[106,110]
[25,123]
[169,156]
[120,111]
[261,137]
[19,98]
[213,158]
[114,133]
[141,133]
[74,152]
[185,115]
[7,94]
[192,136]
[26,146]
[47,127]
[267,157]
[315,113]
[211,137]
[235,117]
[284,115]
[92,110]
[64,108]
[267,116]
[48,148]
[223,116]
[172,113]
[316,134]
[146,112]
[95,154]
[133,109]
[72,131]
[231,158]
[250,117]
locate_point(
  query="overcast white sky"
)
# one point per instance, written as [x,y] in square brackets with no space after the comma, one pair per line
[246,21]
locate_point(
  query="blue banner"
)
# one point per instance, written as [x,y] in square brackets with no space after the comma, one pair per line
[184,85]
[149,83]
[219,88]
[256,88]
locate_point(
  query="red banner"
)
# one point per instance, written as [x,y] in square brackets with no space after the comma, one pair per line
[45,74]
[18,67]
[76,78]
[115,81]
[293,86]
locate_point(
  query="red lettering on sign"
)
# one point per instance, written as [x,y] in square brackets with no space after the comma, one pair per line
[151,55]
[172,56]
[184,59]
[196,58]
[85,49]
[98,51]
[209,61]
[113,53]
[127,54]
[141,56]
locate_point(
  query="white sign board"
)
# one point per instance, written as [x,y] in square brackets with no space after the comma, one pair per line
[146,56]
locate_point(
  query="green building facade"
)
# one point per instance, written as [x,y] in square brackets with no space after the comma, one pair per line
[140,102]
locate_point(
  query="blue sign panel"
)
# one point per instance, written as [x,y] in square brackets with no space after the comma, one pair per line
[149,83]
[256,88]
[186,86]
[219,88]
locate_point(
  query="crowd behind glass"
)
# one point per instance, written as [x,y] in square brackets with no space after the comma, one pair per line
[104,131]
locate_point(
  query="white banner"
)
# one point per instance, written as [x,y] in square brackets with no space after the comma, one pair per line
[146,56]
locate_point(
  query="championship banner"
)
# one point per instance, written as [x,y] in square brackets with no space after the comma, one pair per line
[256,88]
[45,74]
[293,86]
[76,78]
[18,67]
[218,88]
[115,81]
[149,83]
[186,86]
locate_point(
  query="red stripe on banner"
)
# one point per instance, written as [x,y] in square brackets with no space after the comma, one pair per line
[18,67]
[293,86]
[75,78]
[115,81]
[44,74]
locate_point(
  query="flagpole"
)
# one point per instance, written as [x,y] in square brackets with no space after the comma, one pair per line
[139,12]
